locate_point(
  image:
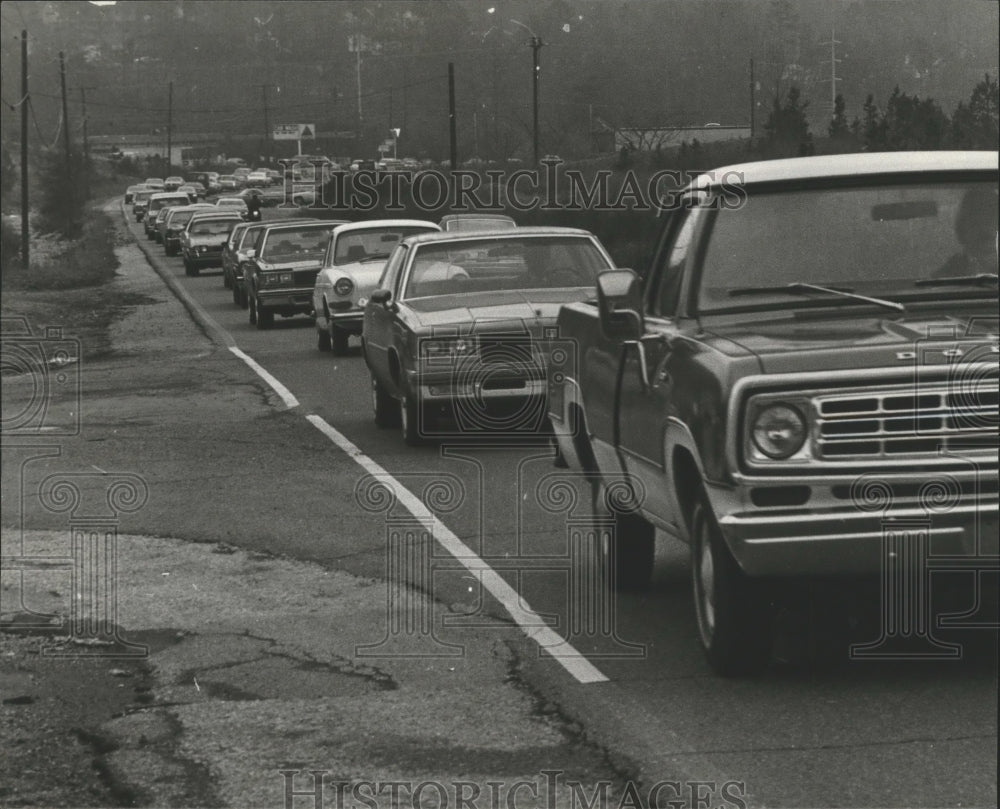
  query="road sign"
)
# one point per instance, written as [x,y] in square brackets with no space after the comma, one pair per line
[294,132]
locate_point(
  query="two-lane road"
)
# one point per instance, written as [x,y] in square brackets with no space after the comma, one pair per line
[863,734]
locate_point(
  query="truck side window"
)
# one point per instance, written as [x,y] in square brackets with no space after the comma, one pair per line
[670,273]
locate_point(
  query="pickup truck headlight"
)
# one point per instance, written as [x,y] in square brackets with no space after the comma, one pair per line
[343,287]
[779,431]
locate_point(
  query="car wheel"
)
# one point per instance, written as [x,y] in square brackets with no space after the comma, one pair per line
[322,339]
[170,250]
[383,406]
[628,540]
[263,317]
[236,296]
[733,617]
[188,267]
[339,340]
[409,420]
[227,282]
[252,311]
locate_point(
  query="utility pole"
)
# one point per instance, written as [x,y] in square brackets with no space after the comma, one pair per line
[451,116]
[65,113]
[170,125]
[536,46]
[25,241]
[267,125]
[833,43]
[86,142]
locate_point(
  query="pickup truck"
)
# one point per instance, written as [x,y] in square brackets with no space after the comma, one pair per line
[804,385]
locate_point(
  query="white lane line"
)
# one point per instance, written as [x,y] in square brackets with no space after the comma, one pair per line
[527,619]
[286,395]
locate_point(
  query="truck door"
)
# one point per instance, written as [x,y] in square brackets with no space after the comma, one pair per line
[645,408]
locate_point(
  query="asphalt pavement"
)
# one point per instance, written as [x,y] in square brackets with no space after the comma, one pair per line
[287,630]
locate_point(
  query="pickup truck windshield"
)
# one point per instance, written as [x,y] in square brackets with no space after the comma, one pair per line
[492,264]
[874,240]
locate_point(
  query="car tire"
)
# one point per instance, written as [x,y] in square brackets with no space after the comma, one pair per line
[236,296]
[339,340]
[252,311]
[628,540]
[409,420]
[384,407]
[227,282]
[263,317]
[732,615]
[322,339]
[188,267]
[169,250]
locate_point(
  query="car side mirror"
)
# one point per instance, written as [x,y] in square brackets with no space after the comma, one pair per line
[380,297]
[251,253]
[619,304]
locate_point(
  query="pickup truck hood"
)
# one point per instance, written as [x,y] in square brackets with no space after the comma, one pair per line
[836,343]
[531,308]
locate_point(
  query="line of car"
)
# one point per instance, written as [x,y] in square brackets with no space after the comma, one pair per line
[786,400]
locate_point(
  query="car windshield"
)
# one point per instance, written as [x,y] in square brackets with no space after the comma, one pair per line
[211,227]
[142,196]
[874,240]
[489,265]
[179,217]
[296,244]
[371,245]
[156,204]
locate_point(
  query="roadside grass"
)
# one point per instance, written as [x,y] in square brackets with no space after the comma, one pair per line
[69,285]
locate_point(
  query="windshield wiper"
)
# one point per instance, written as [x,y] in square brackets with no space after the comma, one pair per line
[800,288]
[375,257]
[979,279]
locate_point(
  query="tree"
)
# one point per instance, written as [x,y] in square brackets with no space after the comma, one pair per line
[974,126]
[787,129]
[838,128]
[872,126]
[912,123]
[61,205]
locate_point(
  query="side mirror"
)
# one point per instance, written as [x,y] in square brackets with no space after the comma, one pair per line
[380,297]
[250,253]
[619,303]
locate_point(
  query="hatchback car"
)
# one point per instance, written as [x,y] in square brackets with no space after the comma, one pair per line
[204,238]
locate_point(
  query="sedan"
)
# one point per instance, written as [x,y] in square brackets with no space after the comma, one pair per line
[204,237]
[462,326]
[476,221]
[175,222]
[354,261]
[281,267]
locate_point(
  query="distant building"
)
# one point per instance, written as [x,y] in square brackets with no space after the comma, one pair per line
[648,139]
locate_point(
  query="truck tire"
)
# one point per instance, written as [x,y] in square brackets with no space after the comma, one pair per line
[732,614]
[627,551]
[409,420]
[384,408]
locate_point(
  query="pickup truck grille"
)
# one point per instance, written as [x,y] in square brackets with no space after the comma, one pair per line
[905,423]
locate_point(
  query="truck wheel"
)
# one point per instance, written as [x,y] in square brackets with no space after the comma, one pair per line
[409,420]
[734,621]
[339,340]
[385,409]
[627,551]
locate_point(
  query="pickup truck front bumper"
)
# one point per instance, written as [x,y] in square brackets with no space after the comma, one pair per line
[842,529]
